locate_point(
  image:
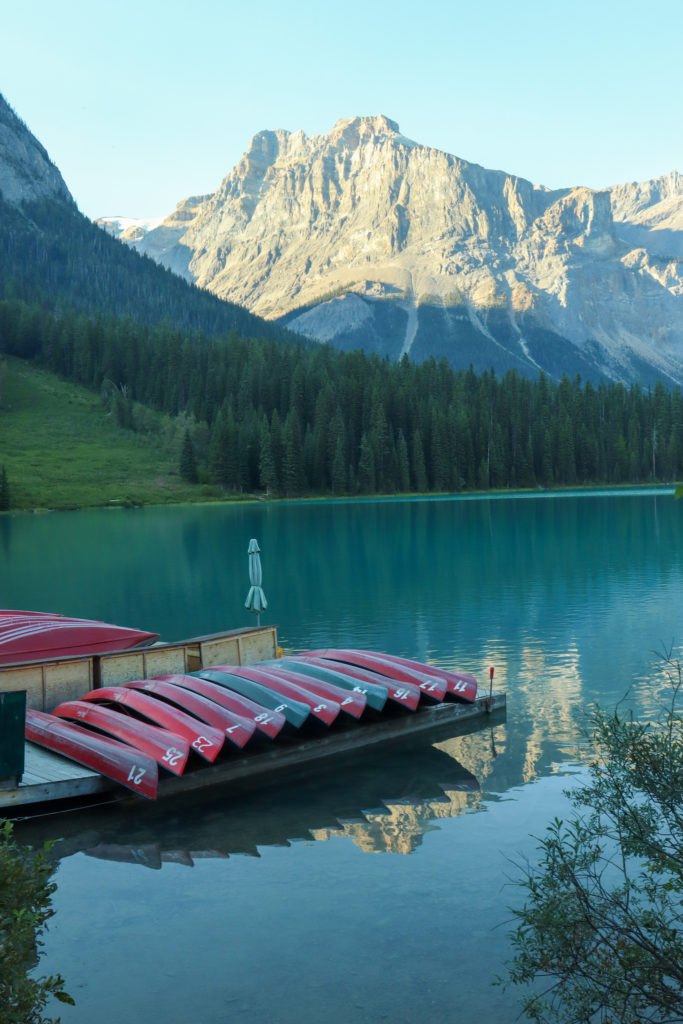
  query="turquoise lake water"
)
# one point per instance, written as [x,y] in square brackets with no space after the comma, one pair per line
[378,889]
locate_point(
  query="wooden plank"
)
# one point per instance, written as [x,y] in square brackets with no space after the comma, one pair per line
[49,777]
[53,792]
[357,737]
[238,649]
[223,651]
[46,764]
[116,669]
[48,683]
[258,646]
[159,661]
[66,680]
[62,779]
[27,677]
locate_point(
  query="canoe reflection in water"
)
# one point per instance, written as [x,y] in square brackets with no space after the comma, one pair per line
[383,803]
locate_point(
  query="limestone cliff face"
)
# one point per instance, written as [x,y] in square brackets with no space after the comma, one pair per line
[366,239]
[26,171]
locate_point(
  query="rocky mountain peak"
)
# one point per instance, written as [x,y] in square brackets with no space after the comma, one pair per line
[364,238]
[353,131]
[26,171]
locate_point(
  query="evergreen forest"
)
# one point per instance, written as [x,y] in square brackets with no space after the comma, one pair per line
[292,419]
[50,253]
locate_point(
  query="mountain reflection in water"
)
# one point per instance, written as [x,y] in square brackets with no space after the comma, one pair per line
[384,802]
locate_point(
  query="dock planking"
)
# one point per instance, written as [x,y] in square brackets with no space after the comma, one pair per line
[50,778]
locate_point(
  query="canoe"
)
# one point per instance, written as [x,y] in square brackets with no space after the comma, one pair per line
[115,760]
[335,672]
[404,691]
[369,679]
[204,739]
[430,685]
[351,701]
[237,729]
[295,711]
[169,751]
[284,683]
[267,722]
[41,636]
[460,684]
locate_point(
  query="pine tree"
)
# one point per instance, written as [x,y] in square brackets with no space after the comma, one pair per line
[339,468]
[419,471]
[267,471]
[188,461]
[367,479]
[4,491]
[293,479]
[403,463]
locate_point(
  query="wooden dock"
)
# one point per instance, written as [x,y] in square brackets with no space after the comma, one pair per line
[55,781]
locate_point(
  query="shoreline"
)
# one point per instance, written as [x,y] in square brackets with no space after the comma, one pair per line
[530,492]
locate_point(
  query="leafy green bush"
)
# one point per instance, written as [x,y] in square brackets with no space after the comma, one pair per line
[600,936]
[25,907]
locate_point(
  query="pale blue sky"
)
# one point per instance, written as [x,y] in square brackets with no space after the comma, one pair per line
[141,103]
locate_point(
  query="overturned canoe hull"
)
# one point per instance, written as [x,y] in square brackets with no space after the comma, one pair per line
[168,750]
[461,687]
[295,711]
[266,721]
[40,636]
[375,693]
[117,761]
[403,691]
[285,683]
[162,719]
[351,701]
[203,739]
[238,730]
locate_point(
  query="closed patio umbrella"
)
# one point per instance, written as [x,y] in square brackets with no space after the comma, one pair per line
[256,599]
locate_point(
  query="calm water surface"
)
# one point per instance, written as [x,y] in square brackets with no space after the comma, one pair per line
[377,890]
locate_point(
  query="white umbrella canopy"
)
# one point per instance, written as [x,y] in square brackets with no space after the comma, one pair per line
[256,599]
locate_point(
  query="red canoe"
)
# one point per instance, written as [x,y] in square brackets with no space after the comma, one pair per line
[402,687]
[324,710]
[204,739]
[375,693]
[38,636]
[434,688]
[460,684]
[237,729]
[352,702]
[266,721]
[463,688]
[116,761]
[169,751]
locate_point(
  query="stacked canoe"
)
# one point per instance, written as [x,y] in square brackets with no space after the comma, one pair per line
[33,636]
[176,722]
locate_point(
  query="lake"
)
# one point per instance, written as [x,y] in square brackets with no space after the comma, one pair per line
[379,888]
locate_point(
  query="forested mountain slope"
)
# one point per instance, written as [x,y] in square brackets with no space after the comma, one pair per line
[292,420]
[50,253]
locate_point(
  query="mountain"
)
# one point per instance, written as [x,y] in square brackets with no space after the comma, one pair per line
[26,171]
[51,254]
[366,239]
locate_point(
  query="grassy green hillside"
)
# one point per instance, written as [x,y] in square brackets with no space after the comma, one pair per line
[62,448]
